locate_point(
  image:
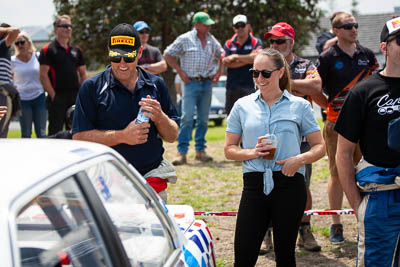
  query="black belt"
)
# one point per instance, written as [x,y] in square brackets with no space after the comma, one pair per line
[200,79]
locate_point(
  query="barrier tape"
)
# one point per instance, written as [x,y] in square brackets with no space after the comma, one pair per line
[306,212]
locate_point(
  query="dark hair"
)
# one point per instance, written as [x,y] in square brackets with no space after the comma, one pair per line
[5,25]
[280,62]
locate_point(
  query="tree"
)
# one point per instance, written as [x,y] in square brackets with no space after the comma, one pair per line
[93,20]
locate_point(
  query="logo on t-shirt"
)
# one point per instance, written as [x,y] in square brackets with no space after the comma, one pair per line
[339,65]
[387,105]
[362,62]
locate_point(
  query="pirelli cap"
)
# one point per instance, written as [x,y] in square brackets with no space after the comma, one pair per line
[123,41]
[391,27]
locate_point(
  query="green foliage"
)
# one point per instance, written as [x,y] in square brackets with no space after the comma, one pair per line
[93,19]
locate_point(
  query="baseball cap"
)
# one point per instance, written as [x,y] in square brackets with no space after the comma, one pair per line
[140,25]
[239,18]
[203,18]
[123,41]
[280,29]
[391,27]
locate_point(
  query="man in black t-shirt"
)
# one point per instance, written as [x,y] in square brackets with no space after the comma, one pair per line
[341,67]
[62,71]
[151,60]
[373,189]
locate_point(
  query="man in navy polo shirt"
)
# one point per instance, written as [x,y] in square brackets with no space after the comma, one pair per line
[108,104]
[238,57]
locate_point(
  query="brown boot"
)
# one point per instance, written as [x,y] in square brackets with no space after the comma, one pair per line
[307,240]
[202,156]
[179,160]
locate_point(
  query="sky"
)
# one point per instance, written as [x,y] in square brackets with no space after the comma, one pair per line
[40,12]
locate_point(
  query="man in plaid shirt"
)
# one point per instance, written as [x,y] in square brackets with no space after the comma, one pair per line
[199,53]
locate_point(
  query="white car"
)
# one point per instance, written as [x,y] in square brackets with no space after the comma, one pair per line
[72,203]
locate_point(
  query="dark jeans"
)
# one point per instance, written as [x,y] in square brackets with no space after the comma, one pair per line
[57,111]
[284,206]
[33,111]
[231,95]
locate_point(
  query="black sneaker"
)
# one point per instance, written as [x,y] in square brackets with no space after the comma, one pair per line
[336,234]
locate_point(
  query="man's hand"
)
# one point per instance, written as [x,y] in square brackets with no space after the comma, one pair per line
[135,134]
[153,106]
[184,76]
[3,111]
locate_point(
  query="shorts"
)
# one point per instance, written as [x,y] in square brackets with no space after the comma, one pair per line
[331,137]
[305,146]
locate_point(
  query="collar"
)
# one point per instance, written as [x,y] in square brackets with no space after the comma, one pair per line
[143,79]
[194,32]
[59,45]
[257,95]
[339,51]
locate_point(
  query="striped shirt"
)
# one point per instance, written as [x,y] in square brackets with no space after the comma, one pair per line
[5,63]
[195,60]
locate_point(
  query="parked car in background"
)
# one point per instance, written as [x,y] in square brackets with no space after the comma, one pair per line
[72,203]
[217,108]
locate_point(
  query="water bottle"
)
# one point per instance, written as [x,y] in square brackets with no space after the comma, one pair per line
[142,117]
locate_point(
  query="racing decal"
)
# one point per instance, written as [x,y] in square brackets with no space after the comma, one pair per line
[387,105]
[190,260]
[104,190]
[122,40]
[393,25]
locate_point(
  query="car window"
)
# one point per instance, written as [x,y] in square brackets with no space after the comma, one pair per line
[57,229]
[133,215]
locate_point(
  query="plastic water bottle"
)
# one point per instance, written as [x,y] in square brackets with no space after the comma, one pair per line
[142,117]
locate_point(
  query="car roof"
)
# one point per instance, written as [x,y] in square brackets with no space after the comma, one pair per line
[24,162]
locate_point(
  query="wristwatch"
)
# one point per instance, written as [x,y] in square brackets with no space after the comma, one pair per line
[146,66]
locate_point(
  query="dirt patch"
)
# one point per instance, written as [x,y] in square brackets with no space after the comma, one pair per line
[222,228]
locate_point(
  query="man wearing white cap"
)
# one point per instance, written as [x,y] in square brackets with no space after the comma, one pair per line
[238,57]
[152,60]
[373,188]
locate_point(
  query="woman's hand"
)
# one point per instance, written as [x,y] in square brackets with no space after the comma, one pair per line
[290,165]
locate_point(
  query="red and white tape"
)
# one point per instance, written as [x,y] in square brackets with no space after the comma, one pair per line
[306,212]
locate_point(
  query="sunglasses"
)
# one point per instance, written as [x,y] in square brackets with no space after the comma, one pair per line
[127,59]
[397,38]
[239,25]
[144,31]
[265,73]
[277,41]
[22,42]
[348,26]
[66,26]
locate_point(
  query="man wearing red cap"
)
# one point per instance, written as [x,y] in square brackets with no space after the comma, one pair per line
[341,67]
[305,82]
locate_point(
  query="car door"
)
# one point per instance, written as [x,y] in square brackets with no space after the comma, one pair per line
[146,231]
[58,227]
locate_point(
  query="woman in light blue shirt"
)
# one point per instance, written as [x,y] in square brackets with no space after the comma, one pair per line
[273,190]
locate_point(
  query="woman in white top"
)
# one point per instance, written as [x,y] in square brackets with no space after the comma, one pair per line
[25,67]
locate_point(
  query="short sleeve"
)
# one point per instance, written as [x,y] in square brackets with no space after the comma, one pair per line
[308,124]
[85,108]
[233,122]
[44,58]
[176,48]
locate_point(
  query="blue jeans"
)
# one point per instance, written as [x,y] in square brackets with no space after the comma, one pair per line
[33,111]
[196,95]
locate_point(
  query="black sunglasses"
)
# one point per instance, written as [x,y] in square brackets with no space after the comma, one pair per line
[117,59]
[348,26]
[144,31]
[64,26]
[277,41]
[22,42]
[265,73]
[239,25]
[397,38]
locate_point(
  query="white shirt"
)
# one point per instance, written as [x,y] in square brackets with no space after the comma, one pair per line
[26,77]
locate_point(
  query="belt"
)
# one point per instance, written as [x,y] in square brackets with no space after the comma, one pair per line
[372,187]
[200,79]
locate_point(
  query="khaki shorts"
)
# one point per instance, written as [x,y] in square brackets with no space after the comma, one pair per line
[331,137]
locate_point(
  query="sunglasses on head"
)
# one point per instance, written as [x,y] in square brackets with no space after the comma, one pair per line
[144,31]
[348,26]
[265,73]
[22,42]
[277,41]
[239,25]
[397,38]
[66,26]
